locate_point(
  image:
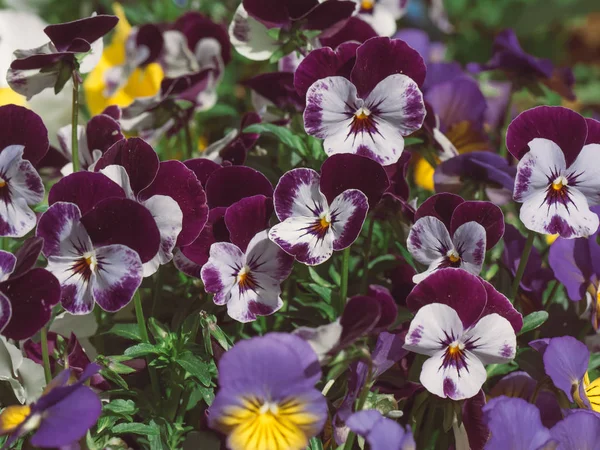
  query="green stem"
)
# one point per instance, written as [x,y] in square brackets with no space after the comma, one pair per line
[522,265]
[368,243]
[157,290]
[189,143]
[360,405]
[46,355]
[139,314]
[344,280]
[74,120]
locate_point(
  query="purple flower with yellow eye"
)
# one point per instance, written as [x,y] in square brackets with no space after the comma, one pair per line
[266,395]
[60,417]
[382,14]
[557,175]
[23,143]
[312,224]
[363,99]
[462,323]
[451,232]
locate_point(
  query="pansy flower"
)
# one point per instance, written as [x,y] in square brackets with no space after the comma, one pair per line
[557,175]
[74,46]
[363,99]
[247,277]
[382,14]
[266,396]
[60,417]
[462,323]
[313,225]
[380,432]
[451,232]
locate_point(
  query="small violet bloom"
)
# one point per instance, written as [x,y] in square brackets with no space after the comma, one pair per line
[247,278]
[558,178]
[461,323]
[363,99]
[451,232]
[380,432]
[60,417]
[312,225]
[267,397]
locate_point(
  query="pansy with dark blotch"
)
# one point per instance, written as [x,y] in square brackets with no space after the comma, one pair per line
[363,99]
[486,170]
[60,417]
[236,144]
[462,323]
[452,232]
[312,225]
[266,396]
[23,143]
[382,14]
[248,30]
[53,64]
[509,57]
[96,240]
[27,294]
[558,177]
[168,189]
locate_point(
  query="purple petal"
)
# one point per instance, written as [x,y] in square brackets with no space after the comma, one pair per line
[486,214]
[389,310]
[381,57]
[27,255]
[7,264]
[499,304]
[441,206]
[214,231]
[230,184]
[21,126]
[175,180]
[355,30]
[342,172]
[417,39]
[5,312]
[245,218]
[278,88]
[271,13]
[126,222]
[579,430]
[560,125]
[473,419]
[566,362]
[203,168]
[89,29]
[137,157]
[84,189]
[102,131]
[388,351]
[197,27]
[330,17]
[593,136]
[381,433]
[451,287]
[361,315]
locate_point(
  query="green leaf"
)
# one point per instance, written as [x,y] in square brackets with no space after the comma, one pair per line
[120,406]
[406,255]
[319,279]
[115,378]
[106,422]
[158,330]
[501,369]
[136,428]
[323,292]
[195,367]
[315,444]
[412,141]
[141,350]
[155,441]
[533,321]
[127,331]
[283,134]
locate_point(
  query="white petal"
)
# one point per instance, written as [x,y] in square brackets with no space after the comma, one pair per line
[249,37]
[219,274]
[494,339]
[22,179]
[76,291]
[177,58]
[381,19]
[93,58]
[435,265]
[119,175]
[429,240]
[33,380]
[469,240]
[265,257]
[433,325]
[11,359]
[348,212]
[587,167]
[245,306]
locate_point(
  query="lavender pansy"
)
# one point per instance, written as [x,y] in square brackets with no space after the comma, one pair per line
[460,336]
[451,232]
[267,397]
[579,430]
[557,178]
[311,228]
[380,432]
[382,14]
[369,109]
[247,278]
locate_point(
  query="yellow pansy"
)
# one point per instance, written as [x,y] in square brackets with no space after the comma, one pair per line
[143,82]
[10,97]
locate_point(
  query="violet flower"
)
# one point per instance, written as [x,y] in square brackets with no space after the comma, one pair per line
[380,432]
[451,232]
[462,323]
[366,107]
[313,226]
[557,178]
[267,397]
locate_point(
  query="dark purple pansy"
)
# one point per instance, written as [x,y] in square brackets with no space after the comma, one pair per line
[451,232]
[558,179]
[461,324]
[52,64]
[275,89]
[366,108]
[21,126]
[311,227]
[230,184]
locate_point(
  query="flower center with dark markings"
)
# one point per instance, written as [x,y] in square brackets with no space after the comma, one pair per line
[455,355]
[246,280]
[2,182]
[560,183]
[453,256]
[363,122]
[85,265]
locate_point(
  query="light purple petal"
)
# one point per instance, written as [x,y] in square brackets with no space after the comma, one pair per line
[579,430]
[566,361]
[8,261]
[62,231]
[380,432]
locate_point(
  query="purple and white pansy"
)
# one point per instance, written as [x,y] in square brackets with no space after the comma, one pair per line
[452,232]
[247,277]
[312,225]
[382,14]
[363,99]
[558,177]
[462,323]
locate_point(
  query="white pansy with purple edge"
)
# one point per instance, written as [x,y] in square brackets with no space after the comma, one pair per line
[107,275]
[382,14]
[247,282]
[20,187]
[250,37]
[311,228]
[558,176]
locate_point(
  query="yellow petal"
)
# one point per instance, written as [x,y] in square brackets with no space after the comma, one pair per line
[10,97]
[423,174]
[12,417]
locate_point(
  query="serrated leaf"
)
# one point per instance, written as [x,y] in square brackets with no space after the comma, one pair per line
[533,321]
[120,406]
[155,441]
[283,134]
[195,367]
[106,422]
[136,428]
[127,331]
[140,350]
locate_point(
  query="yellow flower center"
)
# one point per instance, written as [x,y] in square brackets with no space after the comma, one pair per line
[12,417]
[455,349]
[2,182]
[362,114]
[256,424]
[245,279]
[453,256]
[367,5]
[559,183]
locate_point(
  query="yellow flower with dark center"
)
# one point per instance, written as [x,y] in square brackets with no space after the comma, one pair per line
[143,82]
